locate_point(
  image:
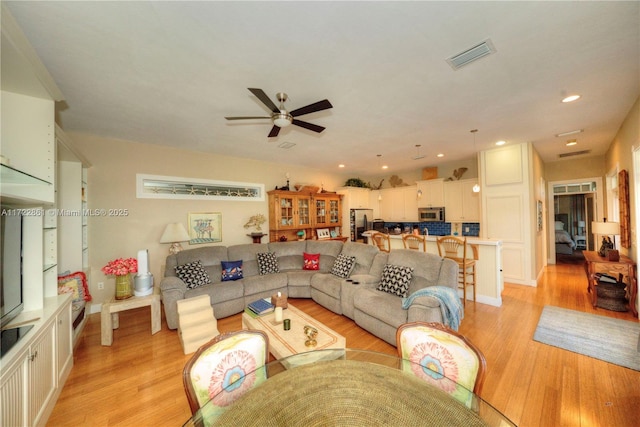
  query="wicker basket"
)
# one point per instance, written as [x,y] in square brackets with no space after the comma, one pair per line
[613,304]
[610,291]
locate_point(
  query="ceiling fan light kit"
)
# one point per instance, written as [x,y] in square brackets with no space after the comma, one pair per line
[281,118]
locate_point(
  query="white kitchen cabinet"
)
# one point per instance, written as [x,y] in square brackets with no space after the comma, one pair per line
[399,204]
[460,202]
[432,193]
[35,369]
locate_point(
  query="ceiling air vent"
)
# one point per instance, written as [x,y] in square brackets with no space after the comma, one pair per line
[574,153]
[476,52]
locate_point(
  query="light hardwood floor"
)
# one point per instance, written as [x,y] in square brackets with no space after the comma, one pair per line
[138,382]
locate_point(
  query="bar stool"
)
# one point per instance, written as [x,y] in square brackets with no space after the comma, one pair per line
[411,241]
[448,247]
[382,241]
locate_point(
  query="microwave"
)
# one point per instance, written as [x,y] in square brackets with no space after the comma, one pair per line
[431,214]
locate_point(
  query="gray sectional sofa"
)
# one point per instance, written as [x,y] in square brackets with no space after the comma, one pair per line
[376,311]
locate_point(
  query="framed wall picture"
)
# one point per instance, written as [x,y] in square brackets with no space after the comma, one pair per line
[323,233]
[539,216]
[205,227]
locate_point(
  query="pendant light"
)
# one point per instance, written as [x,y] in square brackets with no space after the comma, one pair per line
[476,187]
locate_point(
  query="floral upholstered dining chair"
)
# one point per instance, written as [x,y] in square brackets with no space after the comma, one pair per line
[443,357]
[227,364]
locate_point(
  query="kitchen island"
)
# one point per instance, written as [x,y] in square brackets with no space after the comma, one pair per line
[488,266]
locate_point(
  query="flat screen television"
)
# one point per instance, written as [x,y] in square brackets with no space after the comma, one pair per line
[11,290]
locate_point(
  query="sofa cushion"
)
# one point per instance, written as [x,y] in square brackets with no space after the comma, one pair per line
[193,274]
[395,280]
[380,305]
[328,251]
[343,266]
[363,253]
[231,270]
[254,285]
[311,261]
[267,263]
[289,254]
[426,267]
[248,253]
[218,292]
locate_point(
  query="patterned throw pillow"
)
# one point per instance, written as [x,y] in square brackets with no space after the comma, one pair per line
[75,284]
[193,274]
[231,270]
[267,263]
[395,280]
[343,266]
[311,261]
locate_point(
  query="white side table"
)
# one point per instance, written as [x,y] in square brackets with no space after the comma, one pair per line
[581,242]
[110,320]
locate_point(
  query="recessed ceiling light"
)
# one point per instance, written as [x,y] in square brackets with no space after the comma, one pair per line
[571,142]
[571,132]
[571,98]
[340,165]
[440,155]
[385,167]
[499,143]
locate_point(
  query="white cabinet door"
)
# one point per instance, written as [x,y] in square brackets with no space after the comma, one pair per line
[470,201]
[460,202]
[13,392]
[432,193]
[386,204]
[42,373]
[453,201]
[410,195]
[64,343]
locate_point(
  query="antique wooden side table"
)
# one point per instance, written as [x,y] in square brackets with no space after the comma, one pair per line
[625,266]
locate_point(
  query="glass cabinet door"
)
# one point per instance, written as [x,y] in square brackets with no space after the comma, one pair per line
[304,214]
[286,211]
[321,210]
[334,211]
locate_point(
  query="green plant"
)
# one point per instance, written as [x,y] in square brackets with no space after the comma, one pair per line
[356,182]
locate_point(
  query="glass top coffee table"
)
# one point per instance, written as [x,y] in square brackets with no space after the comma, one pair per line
[343,388]
[283,343]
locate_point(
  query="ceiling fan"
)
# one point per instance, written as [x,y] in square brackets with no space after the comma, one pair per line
[283,118]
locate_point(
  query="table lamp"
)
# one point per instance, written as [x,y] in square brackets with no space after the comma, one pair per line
[174,233]
[605,229]
[581,226]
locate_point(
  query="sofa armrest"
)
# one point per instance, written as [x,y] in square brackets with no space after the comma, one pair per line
[172,289]
[425,309]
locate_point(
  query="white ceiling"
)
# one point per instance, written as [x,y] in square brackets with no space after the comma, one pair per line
[169,72]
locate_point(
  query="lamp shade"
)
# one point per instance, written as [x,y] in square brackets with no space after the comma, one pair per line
[581,224]
[605,228]
[174,232]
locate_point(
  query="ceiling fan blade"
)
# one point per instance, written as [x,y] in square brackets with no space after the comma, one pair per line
[308,125]
[275,130]
[312,108]
[246,118]
[259,93]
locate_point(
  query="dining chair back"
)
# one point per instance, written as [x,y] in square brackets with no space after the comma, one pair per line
[450,247]
[442,357]
[412,241]
[229,364]
[382,241]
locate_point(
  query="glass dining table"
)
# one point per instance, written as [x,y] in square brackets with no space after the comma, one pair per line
[339,387]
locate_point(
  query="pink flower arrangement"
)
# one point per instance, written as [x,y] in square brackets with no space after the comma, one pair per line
[121,266]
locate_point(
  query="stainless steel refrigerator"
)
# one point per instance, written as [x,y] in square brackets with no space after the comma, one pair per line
[359,222]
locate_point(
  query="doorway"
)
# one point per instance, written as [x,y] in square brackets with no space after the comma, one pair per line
[566,227]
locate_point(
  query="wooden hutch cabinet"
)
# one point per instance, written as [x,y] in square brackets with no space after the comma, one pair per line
[291,212]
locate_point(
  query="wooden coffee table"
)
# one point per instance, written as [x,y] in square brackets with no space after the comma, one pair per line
[286,343]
